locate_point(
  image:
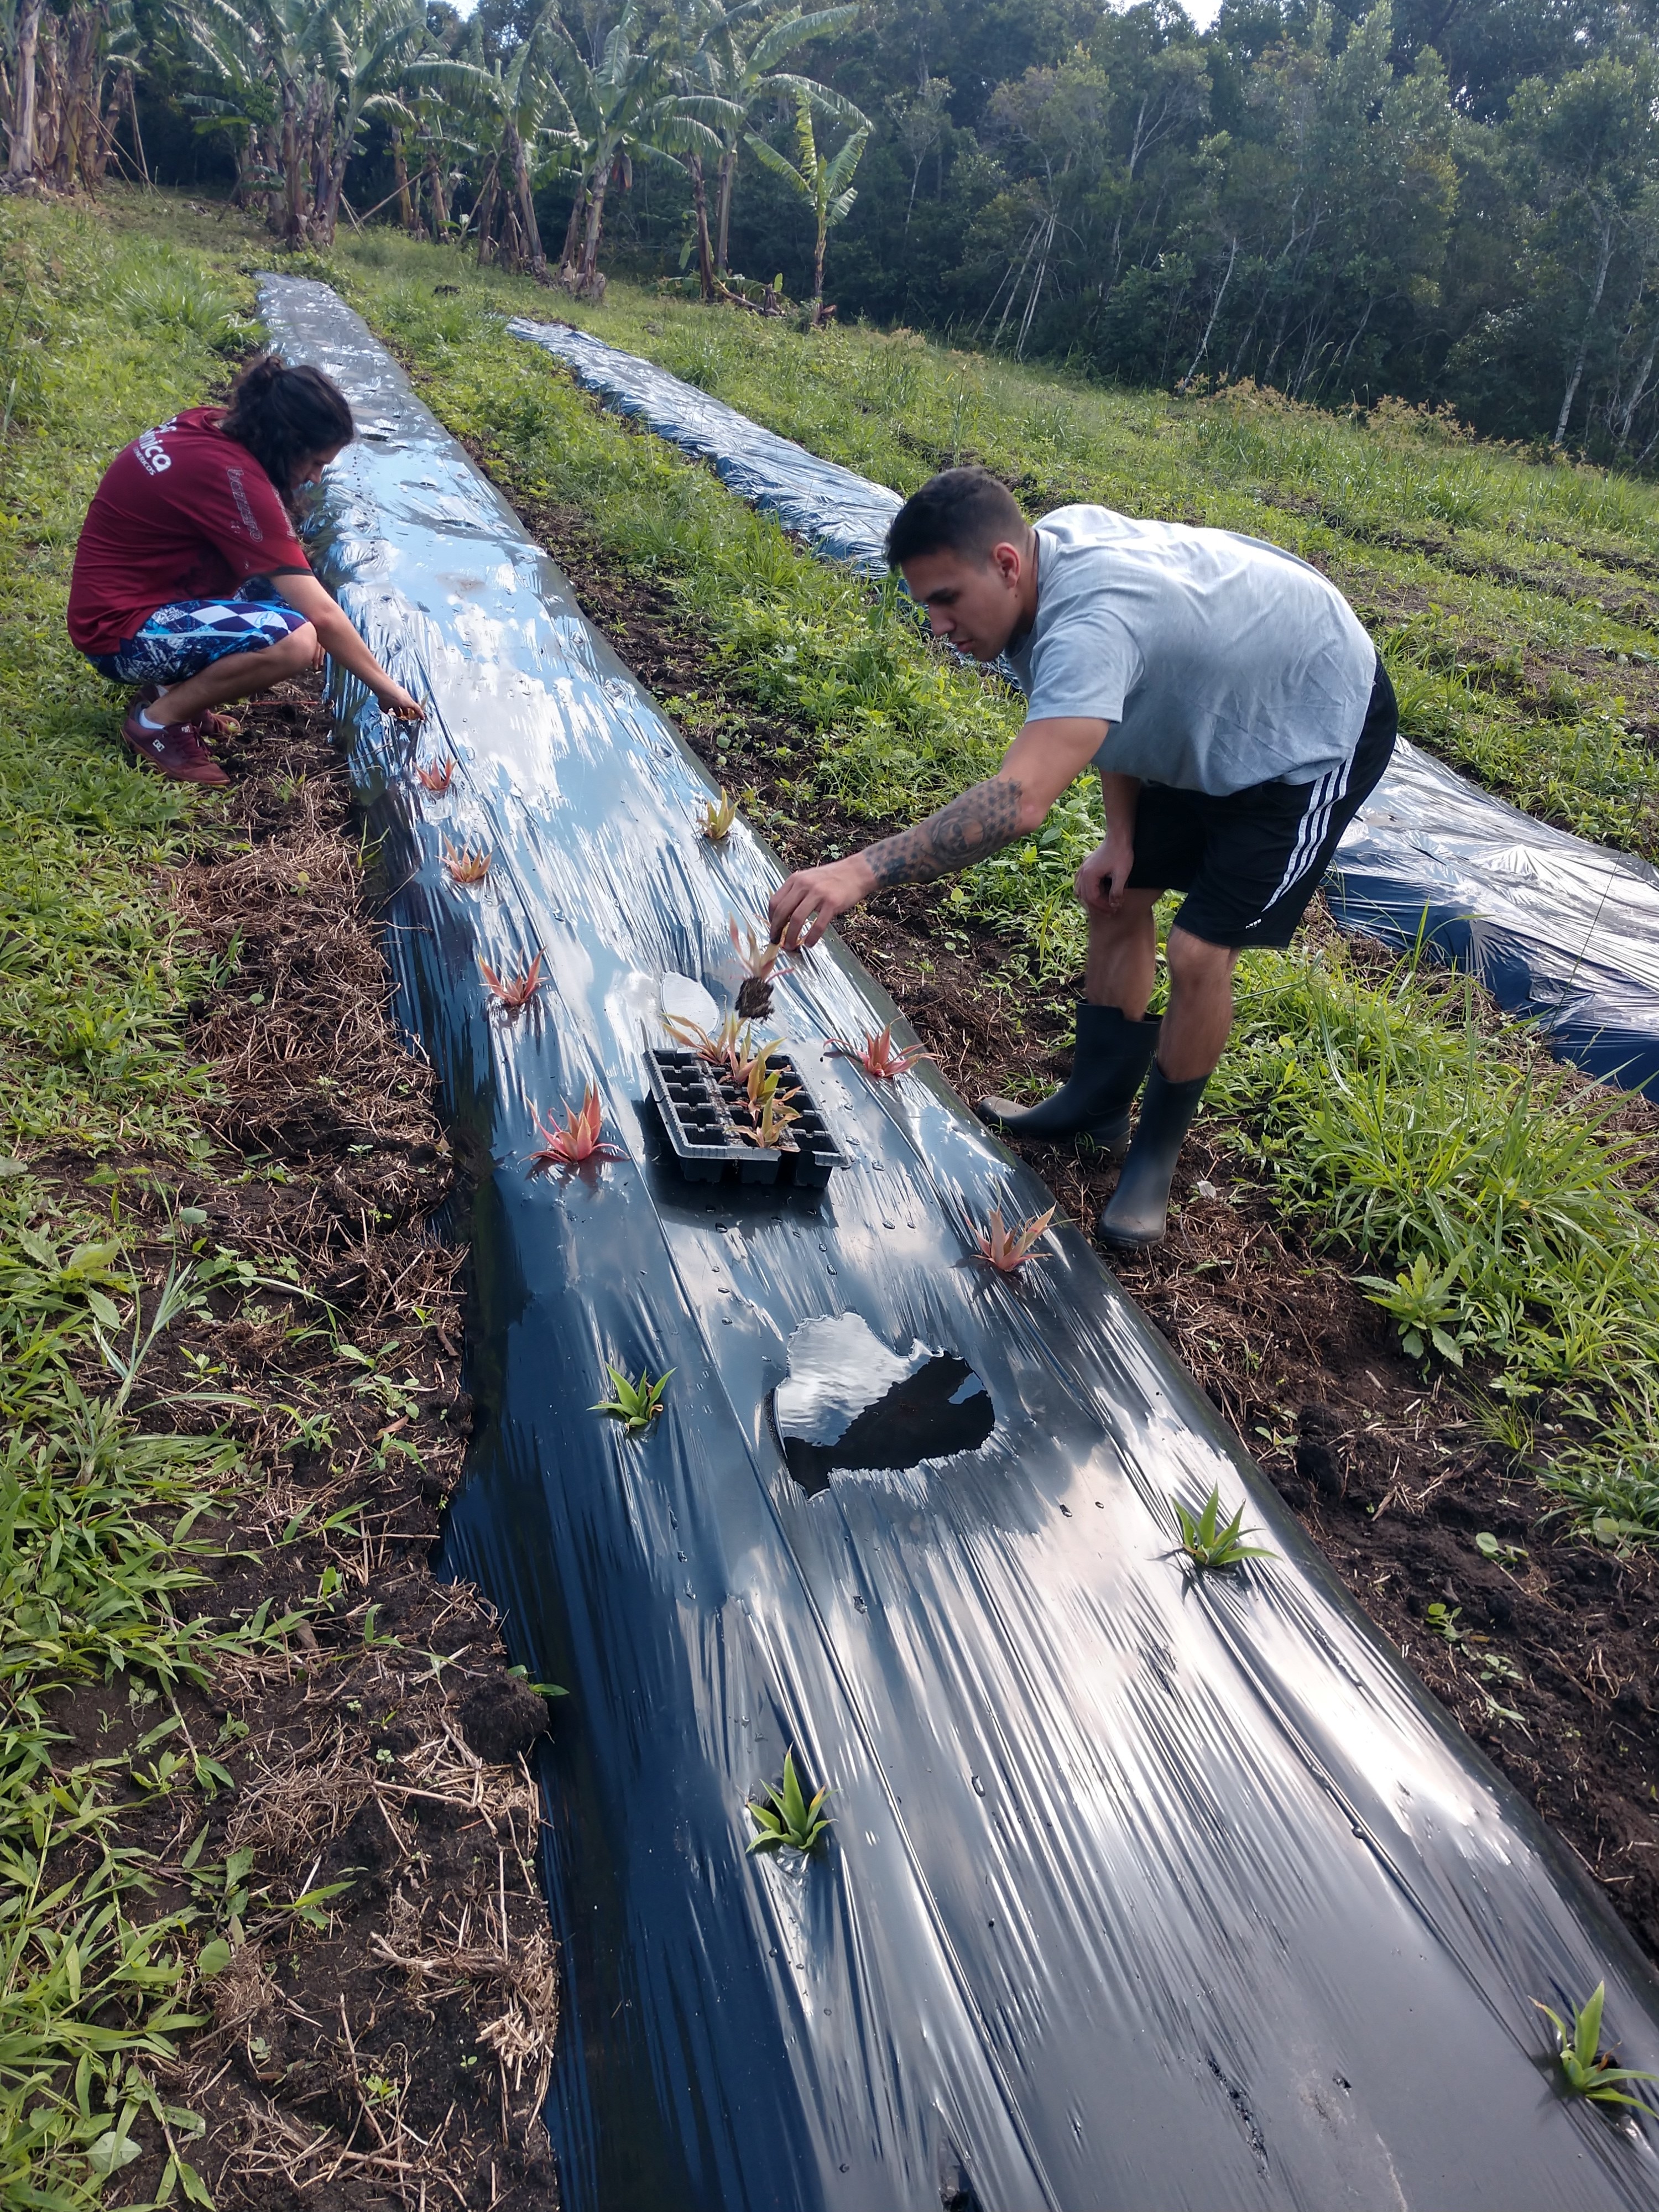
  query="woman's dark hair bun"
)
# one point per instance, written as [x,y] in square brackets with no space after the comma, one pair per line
[286,417]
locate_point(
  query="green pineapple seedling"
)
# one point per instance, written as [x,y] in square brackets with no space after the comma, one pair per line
[635,1405]
[1590,2071]
[1208,1542]
[787,1818]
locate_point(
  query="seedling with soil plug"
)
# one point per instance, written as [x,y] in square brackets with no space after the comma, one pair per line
[715,821]
[1007,1251]
[466,866]
[635,1405]
[1588,2070]
[438,778]
[760,957]
[786,1817]
[1211,1544]
[578,1142]
[514,992]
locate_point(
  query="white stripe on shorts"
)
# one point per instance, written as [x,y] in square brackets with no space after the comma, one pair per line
[1315,822]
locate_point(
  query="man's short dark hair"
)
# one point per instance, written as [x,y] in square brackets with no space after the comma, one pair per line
[964,511]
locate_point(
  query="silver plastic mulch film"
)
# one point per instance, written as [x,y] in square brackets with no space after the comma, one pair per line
[1563,932]
[1141,1890]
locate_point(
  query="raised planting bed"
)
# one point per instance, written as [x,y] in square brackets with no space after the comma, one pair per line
[710,1126]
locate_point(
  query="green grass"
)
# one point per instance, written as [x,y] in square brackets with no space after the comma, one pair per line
[101,334]
[1406,1135]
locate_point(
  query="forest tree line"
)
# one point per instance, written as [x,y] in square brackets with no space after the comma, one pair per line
[1452,201]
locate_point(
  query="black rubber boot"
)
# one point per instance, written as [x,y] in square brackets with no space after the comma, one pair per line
[1136,1215]
[1112,1055]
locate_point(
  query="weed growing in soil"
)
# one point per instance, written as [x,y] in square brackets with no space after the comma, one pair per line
[1586,2068]
[635,1405]
[1210,1543]
[785,1815]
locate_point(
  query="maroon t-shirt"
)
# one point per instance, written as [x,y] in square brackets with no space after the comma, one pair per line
[183,512]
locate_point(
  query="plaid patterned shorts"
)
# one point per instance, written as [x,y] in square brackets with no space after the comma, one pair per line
[179,639]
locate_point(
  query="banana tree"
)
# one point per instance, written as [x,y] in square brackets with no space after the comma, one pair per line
[619,108]
[368,46]
[519,111]
[737,61]
[824,185]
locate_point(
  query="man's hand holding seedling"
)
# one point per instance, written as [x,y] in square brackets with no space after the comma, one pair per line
[1044,761]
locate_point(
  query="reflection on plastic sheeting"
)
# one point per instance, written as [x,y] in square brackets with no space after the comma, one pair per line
[1563,932]
[1141,1890]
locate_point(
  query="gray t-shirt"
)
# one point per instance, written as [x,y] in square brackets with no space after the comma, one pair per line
[1218,660]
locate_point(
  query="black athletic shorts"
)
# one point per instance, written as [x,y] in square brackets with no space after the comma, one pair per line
[1249,863]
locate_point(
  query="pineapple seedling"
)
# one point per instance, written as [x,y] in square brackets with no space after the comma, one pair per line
[760,957]
[635,1405]
[878,1056]
[1008,1250]
[515,992]
[578,1142]
[786,1816]
[466,866]
[1588,2070]
[438,778]
[1209,1543]
[715,821]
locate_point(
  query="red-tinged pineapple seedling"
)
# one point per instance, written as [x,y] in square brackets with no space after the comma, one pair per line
[1210,1543]
[715,821]
[466,866]
[1008,1250]
[728,1049]
[515,992]
[635,1405]
[760,956]
[438,778]
[786,1815]
[579,1140]
[879,1056]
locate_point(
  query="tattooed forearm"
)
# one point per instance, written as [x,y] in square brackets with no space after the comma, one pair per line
[982,821]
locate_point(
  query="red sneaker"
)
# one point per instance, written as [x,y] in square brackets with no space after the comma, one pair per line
[210,725]
[176,751]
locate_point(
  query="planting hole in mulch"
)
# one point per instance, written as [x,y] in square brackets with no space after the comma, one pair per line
[849,1403]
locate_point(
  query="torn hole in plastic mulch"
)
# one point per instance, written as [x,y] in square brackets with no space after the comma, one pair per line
[849,1403]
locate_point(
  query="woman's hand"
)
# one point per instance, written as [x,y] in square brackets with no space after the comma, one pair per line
[1101,879]
[402,706]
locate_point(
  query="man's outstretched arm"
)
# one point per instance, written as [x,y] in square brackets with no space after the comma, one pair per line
[1043,760]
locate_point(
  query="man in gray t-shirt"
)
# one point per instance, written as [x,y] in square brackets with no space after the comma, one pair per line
[1238,715]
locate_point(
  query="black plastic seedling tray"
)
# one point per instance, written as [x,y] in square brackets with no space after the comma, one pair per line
[699,1116]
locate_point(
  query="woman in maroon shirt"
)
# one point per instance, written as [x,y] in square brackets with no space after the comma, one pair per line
[189,579]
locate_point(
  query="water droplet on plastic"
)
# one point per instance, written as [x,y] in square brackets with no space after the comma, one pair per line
[979,1787]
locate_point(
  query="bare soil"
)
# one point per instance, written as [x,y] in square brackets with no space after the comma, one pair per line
[1544,1653]
[388,2042]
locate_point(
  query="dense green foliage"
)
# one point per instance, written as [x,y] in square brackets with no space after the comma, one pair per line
[1338,199]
